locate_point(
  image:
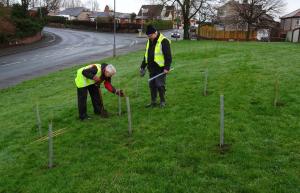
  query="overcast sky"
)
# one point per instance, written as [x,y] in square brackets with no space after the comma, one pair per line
[129,6]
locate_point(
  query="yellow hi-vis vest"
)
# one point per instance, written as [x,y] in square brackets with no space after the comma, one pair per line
[82,81]
[158,54]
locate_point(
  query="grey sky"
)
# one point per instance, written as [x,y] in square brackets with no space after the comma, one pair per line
[292,5]
[129,6]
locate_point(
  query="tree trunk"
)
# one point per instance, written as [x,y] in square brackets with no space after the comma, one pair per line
[7,3]
[186,27]
[248,32]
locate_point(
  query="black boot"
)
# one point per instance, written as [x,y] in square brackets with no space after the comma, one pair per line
[151,105]
[153,91]
[161,91]
[104,113]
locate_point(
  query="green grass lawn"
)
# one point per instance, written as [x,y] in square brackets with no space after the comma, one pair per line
[173,149]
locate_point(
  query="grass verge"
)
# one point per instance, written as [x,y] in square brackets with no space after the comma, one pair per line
[172,149]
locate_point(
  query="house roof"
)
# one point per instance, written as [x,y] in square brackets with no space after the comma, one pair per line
[73,11]
[293,14]
[151,10]
[111,14]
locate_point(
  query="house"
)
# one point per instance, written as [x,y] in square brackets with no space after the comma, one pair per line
[108,17]
[157,12]
[169,13]
[77,13]
[33,12]
[228,18]
[290,26]
[290,21]
[148,12]
[102,15]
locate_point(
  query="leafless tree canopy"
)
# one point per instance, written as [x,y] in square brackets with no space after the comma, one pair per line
[191,9]
[254,9]
[71,3]
[255,12]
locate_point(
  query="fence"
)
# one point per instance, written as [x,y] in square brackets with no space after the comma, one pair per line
[210,32]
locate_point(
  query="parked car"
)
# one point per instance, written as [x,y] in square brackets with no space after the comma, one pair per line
[175,35]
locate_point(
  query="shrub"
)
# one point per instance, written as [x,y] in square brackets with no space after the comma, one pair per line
[18,11]
[56,19]
[160,24]
[27,27]
[3,38]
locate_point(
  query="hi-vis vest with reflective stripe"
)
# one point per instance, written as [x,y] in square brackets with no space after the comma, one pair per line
[158,54]
[82,81]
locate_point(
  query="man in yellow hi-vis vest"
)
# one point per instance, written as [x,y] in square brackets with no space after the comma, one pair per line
[157,59]
[88,79]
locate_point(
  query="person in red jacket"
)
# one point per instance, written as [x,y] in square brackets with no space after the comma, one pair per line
[88,79]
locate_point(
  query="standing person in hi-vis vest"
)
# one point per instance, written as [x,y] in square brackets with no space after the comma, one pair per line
[158,60]
[88,79]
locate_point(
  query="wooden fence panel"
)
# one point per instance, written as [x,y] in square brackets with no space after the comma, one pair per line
[210,32]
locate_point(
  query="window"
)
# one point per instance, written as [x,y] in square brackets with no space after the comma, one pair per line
[298,22]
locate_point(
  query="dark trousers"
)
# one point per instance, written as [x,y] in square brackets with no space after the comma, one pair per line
[158,86]
[96,100]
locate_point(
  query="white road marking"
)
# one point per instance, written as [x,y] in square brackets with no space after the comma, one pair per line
[11,64]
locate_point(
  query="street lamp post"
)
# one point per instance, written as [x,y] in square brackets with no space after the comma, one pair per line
[96,22]
[114,49]
[40,10]
[142,26]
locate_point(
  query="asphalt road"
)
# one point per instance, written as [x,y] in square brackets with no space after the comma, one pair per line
[62,48]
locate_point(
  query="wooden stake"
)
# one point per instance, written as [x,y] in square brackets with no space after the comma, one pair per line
[120,105]
[129,116]
[137,88]
[205,82]
[276,90]
[221,121]
[50,139]
[39,123]
[119,101]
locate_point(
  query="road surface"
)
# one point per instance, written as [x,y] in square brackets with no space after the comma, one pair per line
[72,47]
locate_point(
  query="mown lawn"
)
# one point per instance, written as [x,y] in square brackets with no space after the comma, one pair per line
[172,149]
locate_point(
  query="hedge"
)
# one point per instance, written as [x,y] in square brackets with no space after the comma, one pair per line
[160,24]
[27,27]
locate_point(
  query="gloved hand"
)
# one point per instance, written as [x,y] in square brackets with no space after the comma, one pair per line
[142,72]
[96,78]
[120,93]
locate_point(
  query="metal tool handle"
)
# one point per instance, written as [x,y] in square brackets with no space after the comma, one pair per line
[154,77]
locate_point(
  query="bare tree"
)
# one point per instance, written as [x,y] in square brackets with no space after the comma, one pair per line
[189,9]
[93,4]
[71,3]
[207,14]
[25,4]
[4,3]
[253,12]
[52,5]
